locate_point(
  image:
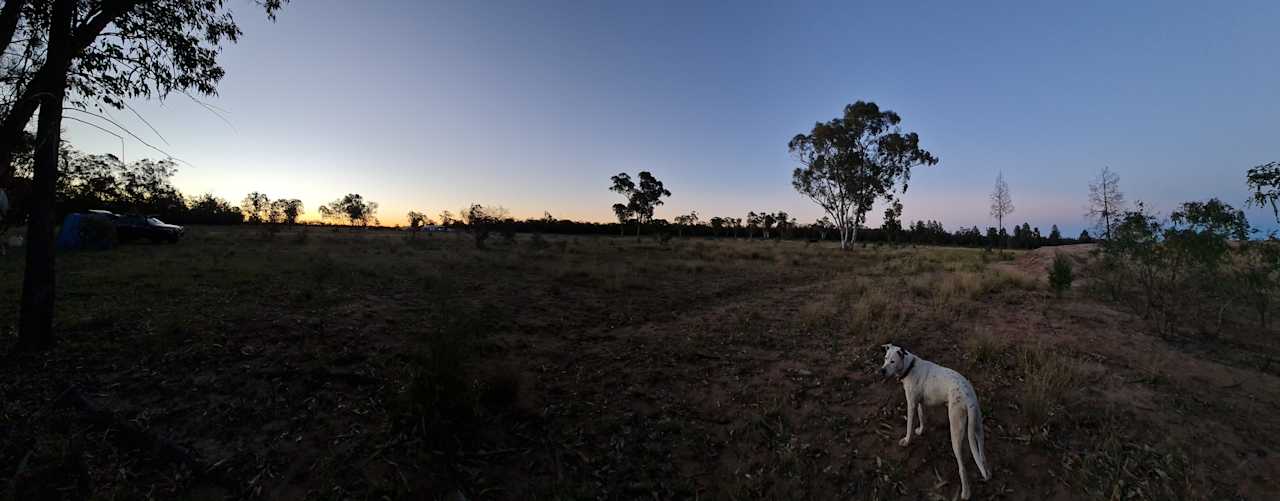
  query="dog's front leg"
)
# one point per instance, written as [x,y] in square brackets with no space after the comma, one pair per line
[911,412]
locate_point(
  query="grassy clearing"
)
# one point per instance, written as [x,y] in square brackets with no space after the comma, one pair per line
[319,364]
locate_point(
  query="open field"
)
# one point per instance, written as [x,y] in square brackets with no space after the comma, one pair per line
[363,365]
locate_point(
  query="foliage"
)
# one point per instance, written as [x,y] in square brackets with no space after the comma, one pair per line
[256,207]
[686,220]
[1264,182]
[482,220]
[351,208]
[853,160]
[642,199]
[209,209]
[286,210]
[417,220]
[892,224]
[1060,274]
[119,50]
[823,225]
[1257,276]
[1178,270]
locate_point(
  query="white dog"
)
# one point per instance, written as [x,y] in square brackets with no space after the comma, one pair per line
[927,383]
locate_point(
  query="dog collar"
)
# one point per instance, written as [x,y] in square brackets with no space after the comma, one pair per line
[910,365]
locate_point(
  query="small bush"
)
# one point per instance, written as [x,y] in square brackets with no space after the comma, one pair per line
[1060,274]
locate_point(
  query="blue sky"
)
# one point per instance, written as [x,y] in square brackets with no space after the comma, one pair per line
[533,105]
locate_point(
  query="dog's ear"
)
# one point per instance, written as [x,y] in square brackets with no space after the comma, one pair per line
[886,346]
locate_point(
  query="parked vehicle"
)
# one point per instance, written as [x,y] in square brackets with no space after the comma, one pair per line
[133,227]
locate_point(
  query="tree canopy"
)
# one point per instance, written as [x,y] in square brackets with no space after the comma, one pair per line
[642,199]
[853,160]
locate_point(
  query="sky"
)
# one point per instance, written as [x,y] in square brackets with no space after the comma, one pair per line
[430,106]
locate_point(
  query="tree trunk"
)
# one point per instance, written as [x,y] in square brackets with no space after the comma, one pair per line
[9,17]
[35,319]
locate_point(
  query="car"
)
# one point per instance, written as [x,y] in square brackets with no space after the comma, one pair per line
[134,227]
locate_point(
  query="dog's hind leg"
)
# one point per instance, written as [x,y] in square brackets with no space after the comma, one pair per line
[920,418]
[957,415]
[975,441]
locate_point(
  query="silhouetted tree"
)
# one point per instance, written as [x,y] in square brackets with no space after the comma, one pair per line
[416,221]
[735,223]
[642,199]
[1084,237]
[624,215]
[785,222]
[1264,182]
[256,207]
[208,209]
[1105,201]
[823,225]
[152,48]
[686,220]
[766,223]
[286,210]
[1055,237]
[717,225]
[1001,206]
[481,221]
[853,160]
[353,208]
[892,224]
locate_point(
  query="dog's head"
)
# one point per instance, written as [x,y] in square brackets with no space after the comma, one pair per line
[895,360]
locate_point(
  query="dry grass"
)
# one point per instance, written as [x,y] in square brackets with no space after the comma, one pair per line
[1049,386]
[603,368]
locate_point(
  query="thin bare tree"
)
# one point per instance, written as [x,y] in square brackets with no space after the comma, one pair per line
[1105,201]
[1001,201]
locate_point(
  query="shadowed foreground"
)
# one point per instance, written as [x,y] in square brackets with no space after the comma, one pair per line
[321,364]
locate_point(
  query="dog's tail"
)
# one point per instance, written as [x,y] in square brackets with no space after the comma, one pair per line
[975,440]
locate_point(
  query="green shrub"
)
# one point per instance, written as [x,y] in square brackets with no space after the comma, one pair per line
[1060,274]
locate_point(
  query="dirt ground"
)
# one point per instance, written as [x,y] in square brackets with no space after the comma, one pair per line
[247,365]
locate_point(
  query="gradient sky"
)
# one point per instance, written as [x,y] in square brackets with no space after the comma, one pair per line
[533,105]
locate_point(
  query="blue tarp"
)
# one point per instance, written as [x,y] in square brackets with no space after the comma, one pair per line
[73,236]
[69,236]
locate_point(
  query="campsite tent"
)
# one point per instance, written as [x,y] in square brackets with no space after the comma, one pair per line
[86,231]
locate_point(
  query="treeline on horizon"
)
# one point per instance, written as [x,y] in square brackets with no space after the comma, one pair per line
[105,182]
